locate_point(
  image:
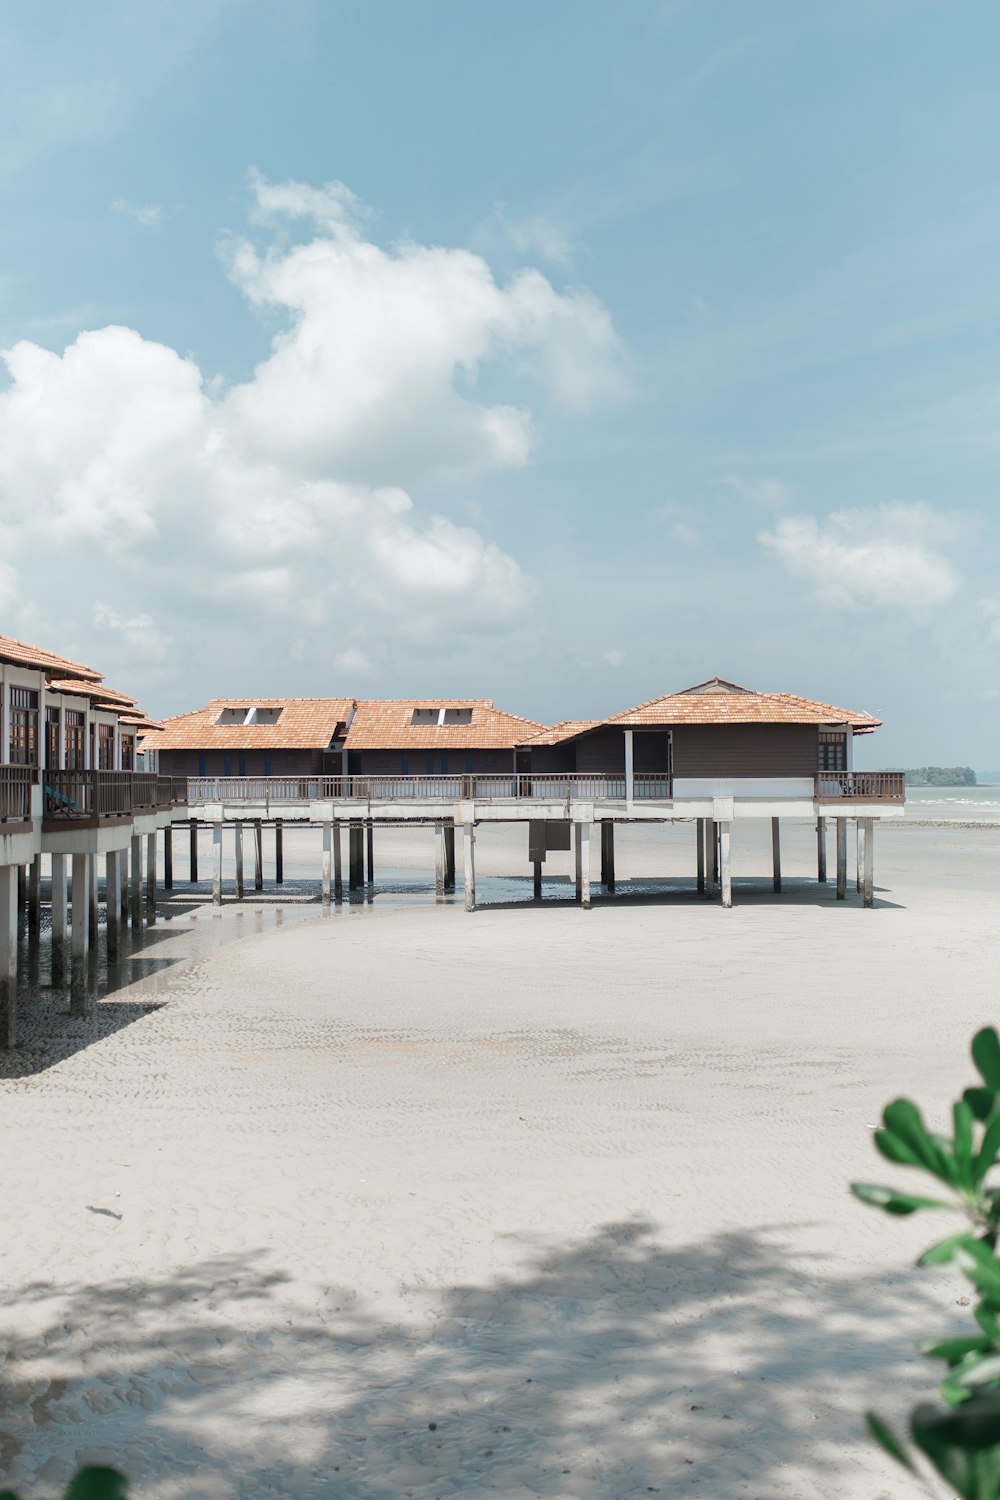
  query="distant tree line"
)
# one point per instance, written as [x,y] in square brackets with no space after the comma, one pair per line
[941,776]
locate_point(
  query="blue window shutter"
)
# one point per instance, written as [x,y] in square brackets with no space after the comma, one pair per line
[406,765]
[468,763]
[227,765]
[444,765]
[267,765]
[201,765]
[243,765]
[430,765]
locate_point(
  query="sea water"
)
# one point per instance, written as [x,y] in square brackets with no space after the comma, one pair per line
[971,803]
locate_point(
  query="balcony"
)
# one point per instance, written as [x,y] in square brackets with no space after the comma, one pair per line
[273,791]
[91,797]
[861,786]
[16,783]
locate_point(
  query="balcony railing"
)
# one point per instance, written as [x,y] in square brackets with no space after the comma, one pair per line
[15,793]
[93,795]
[861,786]
[527,786]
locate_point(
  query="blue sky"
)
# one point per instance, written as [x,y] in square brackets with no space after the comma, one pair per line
[563,353]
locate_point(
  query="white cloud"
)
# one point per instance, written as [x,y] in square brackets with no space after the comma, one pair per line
[614,657]
[533,234]
[148,215]
[990,609]
[883,557]
[772,493]
[282,506]
[141,633]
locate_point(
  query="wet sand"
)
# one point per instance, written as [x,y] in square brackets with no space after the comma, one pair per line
[533,1202]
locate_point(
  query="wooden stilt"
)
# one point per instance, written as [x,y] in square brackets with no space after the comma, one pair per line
[776,851]
[22,898]
[217,863]
[449,857]
[699,844]
[35,898]
[370,841]
[8,955]
[81,923]
[356,856]
[168,858]
[59,922]
[608,856]
[258,856]
[338,862]
[439,860]
[194,851]
[327,870]
[279,852]
[711,853]
[469,848]
[135,884]
[821,850]
[112,908]
[536,879]
[583,834]
[859,857]
[578,859]
[151,878]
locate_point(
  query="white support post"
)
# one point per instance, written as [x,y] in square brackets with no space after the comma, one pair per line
[439,860]
[469,850]
[135,884]
[699,836]
[8,955]
[59,924]
[151,878]
[217,862]
[859,856]
[81,903]
[629,769]
[578,859]
[711,848]
[327,866]
[583,834]
[725,870]
[123,885]
[93,911]
[776,852]
[35,897]
[821,850]
[841,859]
[238,851]
[112,910]
[338,862]
[868,882]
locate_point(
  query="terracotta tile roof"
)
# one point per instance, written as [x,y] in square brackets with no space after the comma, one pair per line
[557,734]
[23,655]
[387,724]
[141,723]
[95,690]
[304,724]
[721,702]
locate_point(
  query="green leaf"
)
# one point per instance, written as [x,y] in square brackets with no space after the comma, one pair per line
[98,1484]
[887,1439]
[980,1372]
[980,1101]
[963,1117]
[895,1150]
[987,1321]
[891,1201]
[986,1056]
[988,1150]
[903,1118]
[954,1350]
[981,1267]
[961,1445]
[944,1250]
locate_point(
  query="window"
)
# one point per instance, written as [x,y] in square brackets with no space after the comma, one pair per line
[105,747]
[264,716]
[52,717]
[75,739]
[227,765]
[441,716]
[468,763]
[457,716]
[444,765]
[425,715]
[128,752]
[234,715]
[23,727]
[832,751]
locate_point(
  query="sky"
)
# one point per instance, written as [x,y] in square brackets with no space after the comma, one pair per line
[557,352]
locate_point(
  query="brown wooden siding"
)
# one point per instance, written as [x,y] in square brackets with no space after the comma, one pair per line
[745,750]
[431,762]
[241,763]
[553,760]
[602,750]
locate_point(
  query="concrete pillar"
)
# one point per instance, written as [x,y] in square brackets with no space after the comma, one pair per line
[327,866]
[194,852]
[59,923]
[238,851]
[113,925]
[821,850]
[8,955]
[583,844]
[370,839]
[536,879]
[608,855]
[439,860]
[279,852]
[776,851]
[217,863]
[35,897]
[699,845]
[22,898]
[258,856]
[859,839]
[338,862]
[93,925]
[168,858]
[81,902]
[356,856]
[711,855]
[841,859]
[868,879]
[122,889]
[449,857]
[629,768]
[151,878]
[469,850]
[578,859]
[725,872]
[135,884]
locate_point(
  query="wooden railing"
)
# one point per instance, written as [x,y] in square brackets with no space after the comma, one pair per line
[861,786]
[104,794]
[15,792]
[271,791]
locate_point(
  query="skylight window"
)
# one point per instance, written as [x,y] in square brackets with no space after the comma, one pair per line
[441,716]
[248,713]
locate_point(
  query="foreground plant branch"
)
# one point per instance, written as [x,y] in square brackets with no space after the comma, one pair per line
[960,1436]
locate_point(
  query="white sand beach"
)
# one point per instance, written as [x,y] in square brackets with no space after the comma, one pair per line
[533,1202]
